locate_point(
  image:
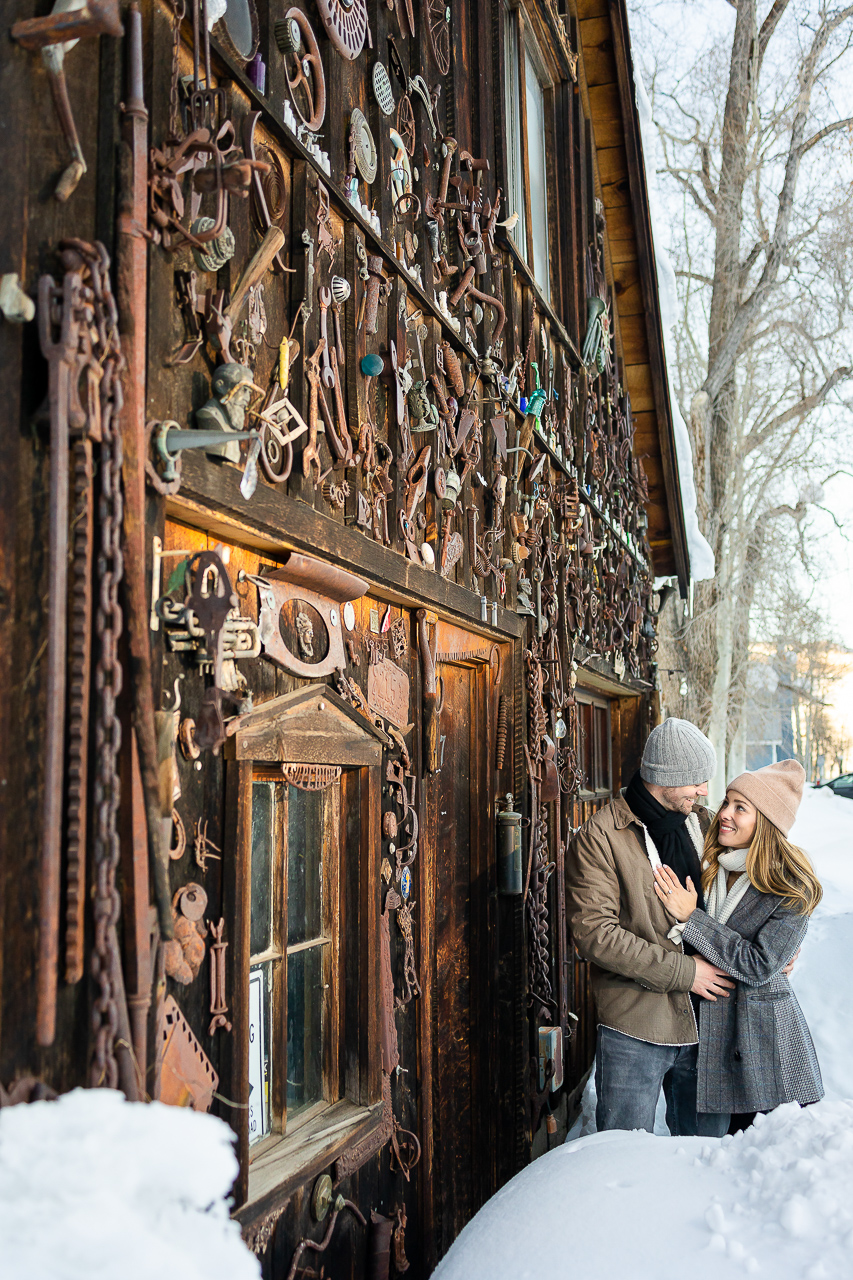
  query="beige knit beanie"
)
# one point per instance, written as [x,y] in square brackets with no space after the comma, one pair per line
[776,791]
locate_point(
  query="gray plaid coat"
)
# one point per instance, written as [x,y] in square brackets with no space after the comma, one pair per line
[755,1050]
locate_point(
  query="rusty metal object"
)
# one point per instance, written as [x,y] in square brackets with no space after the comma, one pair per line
[376,286]
[59,333]
[401,1262]
[388,691]
[503,726]
[177,851]
[184,954]
[379,1246]
[346,24]
[306,82]
[311,451]
[311,777]
[186,1075]
[132,301]
[322,586]
[93,18]
[218,1001]
[429,687]
[340,1205]
[79,692]
[54,35]
[439,34]
[26,1089]
[203,846]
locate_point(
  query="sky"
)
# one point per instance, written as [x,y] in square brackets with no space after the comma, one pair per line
[701,24]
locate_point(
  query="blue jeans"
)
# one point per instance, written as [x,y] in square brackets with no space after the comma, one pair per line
[629,1074]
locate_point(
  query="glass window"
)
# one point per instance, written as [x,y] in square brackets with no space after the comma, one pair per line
[514,154]
[593,747]
[526,140]
[535,101]
[290,976]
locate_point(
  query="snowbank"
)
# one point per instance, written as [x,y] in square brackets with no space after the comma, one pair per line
[93,1186]
[701,555]
[822,979]
[773,1201]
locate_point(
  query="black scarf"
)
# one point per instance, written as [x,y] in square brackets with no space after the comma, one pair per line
[669,832]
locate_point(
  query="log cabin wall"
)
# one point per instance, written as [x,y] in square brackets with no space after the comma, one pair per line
[264,710]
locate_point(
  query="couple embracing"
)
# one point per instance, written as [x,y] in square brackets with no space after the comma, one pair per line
[692,922]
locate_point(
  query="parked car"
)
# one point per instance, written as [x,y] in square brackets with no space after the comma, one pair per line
[842,786]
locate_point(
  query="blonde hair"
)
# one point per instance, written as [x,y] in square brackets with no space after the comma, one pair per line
[773,865]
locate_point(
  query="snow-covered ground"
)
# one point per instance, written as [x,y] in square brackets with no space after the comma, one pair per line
[94,1188]
[775,1201]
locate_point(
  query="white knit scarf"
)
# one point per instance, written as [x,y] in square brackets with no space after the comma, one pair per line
[721,901]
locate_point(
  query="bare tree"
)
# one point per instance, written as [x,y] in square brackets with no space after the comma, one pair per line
[760,156]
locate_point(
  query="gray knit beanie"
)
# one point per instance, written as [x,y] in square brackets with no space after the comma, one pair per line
[678,754]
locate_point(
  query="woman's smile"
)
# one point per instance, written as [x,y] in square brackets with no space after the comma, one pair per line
[737,821]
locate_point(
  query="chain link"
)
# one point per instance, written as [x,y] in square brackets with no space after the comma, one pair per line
[103,350]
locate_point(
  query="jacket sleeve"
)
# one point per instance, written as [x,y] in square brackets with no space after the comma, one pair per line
[755,962]
[592,892]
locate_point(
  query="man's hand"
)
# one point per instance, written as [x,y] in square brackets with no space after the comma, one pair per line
[789,967]
[710,981]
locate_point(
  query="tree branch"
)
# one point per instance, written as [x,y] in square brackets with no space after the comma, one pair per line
[796,412]
[824,133]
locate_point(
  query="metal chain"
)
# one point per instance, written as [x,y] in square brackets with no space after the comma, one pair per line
[179,10]
[102,327]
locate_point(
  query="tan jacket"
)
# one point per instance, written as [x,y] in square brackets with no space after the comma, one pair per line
[640,979]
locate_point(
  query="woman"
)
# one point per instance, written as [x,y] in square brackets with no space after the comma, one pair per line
[755,1050]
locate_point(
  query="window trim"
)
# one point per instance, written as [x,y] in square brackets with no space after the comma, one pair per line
[312,725]
[584,696]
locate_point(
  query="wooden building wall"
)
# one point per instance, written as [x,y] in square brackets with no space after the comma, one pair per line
[540,634]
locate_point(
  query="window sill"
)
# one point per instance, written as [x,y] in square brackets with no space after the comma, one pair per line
[280,1163]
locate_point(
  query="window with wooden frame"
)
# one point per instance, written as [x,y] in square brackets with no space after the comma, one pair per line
[527,88]
[303,810]
[295,954]
[594,747]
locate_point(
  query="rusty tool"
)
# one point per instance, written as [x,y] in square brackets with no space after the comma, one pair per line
[311,451]
[131,298]
[325,298]
[364,276]
[341,412]
[429,693]
[256,269]
[55,35]
[58,318]
[218,1001]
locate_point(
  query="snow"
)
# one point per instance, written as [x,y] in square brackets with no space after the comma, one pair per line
[701,555]
[774,1201]
[92,1186]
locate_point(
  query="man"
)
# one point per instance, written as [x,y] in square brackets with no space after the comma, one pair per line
[647,1032]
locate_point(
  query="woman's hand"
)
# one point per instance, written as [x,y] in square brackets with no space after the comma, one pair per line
[679,902]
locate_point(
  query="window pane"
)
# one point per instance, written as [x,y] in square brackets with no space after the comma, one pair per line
[536,169]
[260,1040]
[512,105]
[263,829]
[304,864]
[603,781]
[305,1009]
